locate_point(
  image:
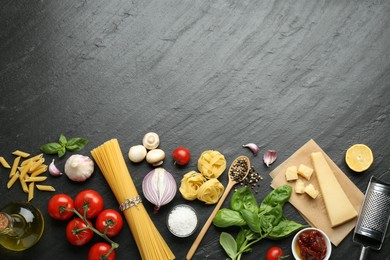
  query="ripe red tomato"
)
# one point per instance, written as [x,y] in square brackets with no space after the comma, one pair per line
[181,155]
[77,232]
[60,207]
[109,221]
[99,250]
[275,253]
[91,200]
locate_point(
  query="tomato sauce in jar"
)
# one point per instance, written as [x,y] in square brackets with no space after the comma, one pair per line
[312,245]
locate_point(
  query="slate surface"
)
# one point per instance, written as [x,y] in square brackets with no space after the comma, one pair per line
[202,74]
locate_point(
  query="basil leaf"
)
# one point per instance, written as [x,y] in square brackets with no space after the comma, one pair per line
[284,228]
[272,214]
[243,199]
[279,196]
[252,220]
[227,218]
[75,144]
[51,148]
[229,244]
[62,140]
[61,152]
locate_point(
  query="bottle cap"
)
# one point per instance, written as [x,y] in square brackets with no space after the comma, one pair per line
[4,222]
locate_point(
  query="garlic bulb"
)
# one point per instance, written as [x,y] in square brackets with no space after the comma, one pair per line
[79,167]
[151,141]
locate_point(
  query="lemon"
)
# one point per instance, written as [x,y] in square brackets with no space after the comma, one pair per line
[359,157]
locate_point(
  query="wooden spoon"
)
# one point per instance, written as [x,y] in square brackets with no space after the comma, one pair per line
[232,181]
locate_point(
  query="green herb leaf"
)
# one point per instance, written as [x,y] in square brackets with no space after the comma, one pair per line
[61,152]
[243,198]
[227,218]
[51,148]
[252,220]
[76,144]
[62,140]
[284,228]
[229,244]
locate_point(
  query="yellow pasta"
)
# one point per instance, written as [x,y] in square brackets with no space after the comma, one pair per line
[211,164]
[23,183]
[32,159]
[39,171]
[30,191]
[4,162]
[14,166]
[12,180]
[45,187]
[36,179]
[149,241]
[35,165]
[21,154]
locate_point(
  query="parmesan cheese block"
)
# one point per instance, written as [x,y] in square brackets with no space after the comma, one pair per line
[292,173]
[338,206]
[311,191]
[299,186]
[305,171]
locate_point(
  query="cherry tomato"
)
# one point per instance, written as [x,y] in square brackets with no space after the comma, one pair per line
[275,253]
[60,207]
[77,232]
[181,155]
[91,200]
[109,221]
[99,250]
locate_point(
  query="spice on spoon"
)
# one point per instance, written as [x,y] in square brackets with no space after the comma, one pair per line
[238,170]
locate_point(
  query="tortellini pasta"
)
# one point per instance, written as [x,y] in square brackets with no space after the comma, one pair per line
[190,185]
[210,191]
[211,164]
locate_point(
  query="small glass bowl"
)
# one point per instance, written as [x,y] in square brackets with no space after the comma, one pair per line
[183,222]
[295,241]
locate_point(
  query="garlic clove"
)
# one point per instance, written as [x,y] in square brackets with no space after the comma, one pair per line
[253,147]
[53,170]
[151,141]
[270,157]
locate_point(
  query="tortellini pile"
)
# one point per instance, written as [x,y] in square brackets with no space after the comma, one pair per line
[205,186]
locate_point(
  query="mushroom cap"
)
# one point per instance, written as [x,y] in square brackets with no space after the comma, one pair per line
[151,141]
[137,153]
[155,156]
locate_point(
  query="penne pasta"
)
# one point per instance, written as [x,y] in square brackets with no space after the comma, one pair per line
[4,162]
[32,159]
[12,180]
[45,187]
[39,171]
[35,165]
[36,179]
[30,191]
[21,154]
[23,183]
[14,166]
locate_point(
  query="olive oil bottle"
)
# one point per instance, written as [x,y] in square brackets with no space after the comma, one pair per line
[21,226]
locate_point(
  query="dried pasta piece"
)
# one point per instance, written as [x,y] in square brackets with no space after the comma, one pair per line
[39,171]
[36,179]
[30,191]
[23,183]
[45,187]
[190,184]
[210,191]
[12,180]
[21,154]
[32,159]
[37,164]
[211,164]
[14,166]
[4,162]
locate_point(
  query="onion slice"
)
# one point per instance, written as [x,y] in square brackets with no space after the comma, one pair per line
[159,187]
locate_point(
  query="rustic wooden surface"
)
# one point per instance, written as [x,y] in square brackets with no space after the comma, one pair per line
[203,74]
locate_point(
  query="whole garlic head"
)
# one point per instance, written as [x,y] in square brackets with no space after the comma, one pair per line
[79,167]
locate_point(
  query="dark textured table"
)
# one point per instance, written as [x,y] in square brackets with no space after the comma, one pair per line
[202,74]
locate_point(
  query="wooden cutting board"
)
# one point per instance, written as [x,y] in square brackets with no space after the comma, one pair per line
[313,210]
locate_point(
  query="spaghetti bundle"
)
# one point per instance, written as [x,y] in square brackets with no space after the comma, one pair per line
[150,243]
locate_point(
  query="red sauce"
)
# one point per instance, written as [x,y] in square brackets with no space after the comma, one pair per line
[312,245]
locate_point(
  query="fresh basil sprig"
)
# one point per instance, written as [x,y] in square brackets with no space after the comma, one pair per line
[255,222]
[63,145]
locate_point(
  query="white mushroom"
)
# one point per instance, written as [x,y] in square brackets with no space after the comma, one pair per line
[155,157]
[137,153]
[151,141]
